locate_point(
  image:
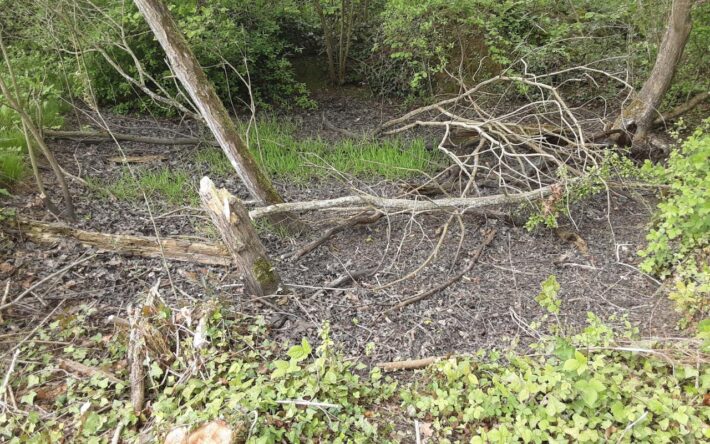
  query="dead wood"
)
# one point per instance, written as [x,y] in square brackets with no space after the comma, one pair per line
[328,124]
[409,364]
[153,339]
[101,136]
[425,294]
[170,248]
[464,204]
[233,223]
[198,86]
[360,219]
[84,370]
[138,159]
[136,356]
[682,109]
[344,279]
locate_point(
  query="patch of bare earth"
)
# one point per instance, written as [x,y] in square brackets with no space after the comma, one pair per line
[489,307]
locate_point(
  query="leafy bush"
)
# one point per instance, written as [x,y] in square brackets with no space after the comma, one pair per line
[41,99]
[223,35]
[576,392]
[421,42]
[679,241]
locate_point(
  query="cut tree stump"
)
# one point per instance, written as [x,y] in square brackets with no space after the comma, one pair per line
[233,223]
[170,248]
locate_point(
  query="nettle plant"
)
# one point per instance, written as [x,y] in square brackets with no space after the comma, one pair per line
[679,241]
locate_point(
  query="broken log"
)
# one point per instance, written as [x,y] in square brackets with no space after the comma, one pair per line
[102,136]
[233,223]
[170,248]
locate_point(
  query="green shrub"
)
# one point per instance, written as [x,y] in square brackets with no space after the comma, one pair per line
[421,42]
[41,100]
[572,389]
[580,390]
[683,220]
[679,241]
[223,36]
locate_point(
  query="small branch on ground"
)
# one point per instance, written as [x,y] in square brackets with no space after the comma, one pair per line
[45,279]
[101,136]
[360,219]
[425,294]
[410,364]
[344,279]
[84,370]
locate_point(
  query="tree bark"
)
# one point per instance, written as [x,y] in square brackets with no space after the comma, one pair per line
[233,222]
[639,116]
[195,81]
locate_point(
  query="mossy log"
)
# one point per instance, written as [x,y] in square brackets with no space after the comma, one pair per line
[232,221]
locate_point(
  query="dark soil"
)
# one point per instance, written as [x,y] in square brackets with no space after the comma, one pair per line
[491,307]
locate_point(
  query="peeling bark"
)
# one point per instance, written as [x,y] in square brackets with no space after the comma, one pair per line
[233,222]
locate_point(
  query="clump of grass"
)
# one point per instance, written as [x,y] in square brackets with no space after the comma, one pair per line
[12,166]
[283,156]
[13,147]
[175,186]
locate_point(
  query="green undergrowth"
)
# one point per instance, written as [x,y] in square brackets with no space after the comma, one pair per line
[678,247]
[284,156]
[581,388]
[42,102]
[174,186]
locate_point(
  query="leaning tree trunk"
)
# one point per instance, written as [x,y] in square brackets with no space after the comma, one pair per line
[638,117]
[195,81]
[232,220]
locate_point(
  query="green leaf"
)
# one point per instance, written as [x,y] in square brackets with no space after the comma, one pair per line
[28,398]
[619,411]
[300,352]
[93,423]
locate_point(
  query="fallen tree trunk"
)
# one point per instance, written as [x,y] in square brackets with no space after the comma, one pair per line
[350,203]
[102,136]
[682,108]
[173,249]
[234,225]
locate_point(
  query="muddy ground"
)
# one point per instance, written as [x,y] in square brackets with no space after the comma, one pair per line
[491,307]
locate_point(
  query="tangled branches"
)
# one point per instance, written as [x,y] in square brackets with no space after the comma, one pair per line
[496,140]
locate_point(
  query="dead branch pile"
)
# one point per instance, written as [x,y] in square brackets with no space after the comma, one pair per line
[516,148]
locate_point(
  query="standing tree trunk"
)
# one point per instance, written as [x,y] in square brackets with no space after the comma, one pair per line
[233,222]
[195,81]
[639,116]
